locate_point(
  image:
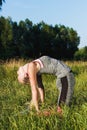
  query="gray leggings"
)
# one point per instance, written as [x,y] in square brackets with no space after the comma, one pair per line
[65,86]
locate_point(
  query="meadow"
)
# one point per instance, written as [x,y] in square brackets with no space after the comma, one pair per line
[13,97]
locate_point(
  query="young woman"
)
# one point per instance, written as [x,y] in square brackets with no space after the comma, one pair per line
[31,73]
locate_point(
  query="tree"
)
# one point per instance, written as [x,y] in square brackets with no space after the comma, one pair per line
[1,2]
[65,42]
[81,54]
[5,37]
[45,37]
[24,39]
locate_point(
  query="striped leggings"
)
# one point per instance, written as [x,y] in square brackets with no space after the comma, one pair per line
[66,88]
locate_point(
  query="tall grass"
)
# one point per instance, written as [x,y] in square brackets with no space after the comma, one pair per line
[13,97]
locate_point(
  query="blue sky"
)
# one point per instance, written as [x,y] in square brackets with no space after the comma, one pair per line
[71,13]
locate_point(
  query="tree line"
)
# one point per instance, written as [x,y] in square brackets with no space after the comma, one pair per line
[28,40]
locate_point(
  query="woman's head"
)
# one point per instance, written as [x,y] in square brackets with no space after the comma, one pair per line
[22,75]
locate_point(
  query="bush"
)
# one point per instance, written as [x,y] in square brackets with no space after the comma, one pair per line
[81,54]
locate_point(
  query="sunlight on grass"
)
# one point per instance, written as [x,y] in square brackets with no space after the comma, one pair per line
[13,97]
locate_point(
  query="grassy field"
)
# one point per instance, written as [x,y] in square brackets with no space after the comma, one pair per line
[13,97]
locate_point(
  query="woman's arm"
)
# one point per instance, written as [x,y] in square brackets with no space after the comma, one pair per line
[32,70]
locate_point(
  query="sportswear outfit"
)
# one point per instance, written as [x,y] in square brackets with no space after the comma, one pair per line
[65,79]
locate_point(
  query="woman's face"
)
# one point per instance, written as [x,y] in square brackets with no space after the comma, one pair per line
[22,76]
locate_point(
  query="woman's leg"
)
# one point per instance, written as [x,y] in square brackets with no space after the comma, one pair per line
[62,85]
[71,83]
[66,87]
[40,87]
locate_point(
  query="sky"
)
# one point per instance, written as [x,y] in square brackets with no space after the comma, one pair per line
[70,13]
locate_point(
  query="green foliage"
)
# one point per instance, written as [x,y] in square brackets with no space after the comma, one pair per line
[26,39]
[13,97]
[5,37]
[81,54]
[1,2]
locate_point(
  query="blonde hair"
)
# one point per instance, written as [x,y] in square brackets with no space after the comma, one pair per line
[23,76]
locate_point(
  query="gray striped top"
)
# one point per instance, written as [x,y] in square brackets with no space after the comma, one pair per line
[54,66]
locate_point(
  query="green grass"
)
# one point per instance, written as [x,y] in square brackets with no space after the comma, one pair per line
[13,97]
